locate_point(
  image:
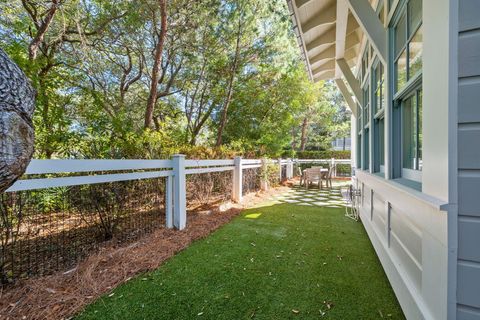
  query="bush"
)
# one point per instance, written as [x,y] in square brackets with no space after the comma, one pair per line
[324,154]
[269,173]
[344,170]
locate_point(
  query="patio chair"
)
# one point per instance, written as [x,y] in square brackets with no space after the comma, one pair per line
[300,173]
[313,175]
[352,198]
[328,178]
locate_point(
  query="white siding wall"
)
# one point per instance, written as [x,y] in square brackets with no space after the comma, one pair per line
[409,233]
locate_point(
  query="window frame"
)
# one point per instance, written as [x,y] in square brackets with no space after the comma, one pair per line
[401,11]
[366,115]
[378,86]
[379,143]
[359,132]
[378,116]
[412,86]
[415,173]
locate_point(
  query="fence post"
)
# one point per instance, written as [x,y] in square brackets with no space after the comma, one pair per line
[334,165]
[280,169]
[237,189]
[264,175]
[289,168]
[179,192]
[169,203]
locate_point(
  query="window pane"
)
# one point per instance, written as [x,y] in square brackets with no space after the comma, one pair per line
[366,155]
[366,105]
[359,119]
[381,72]
[381,15]
[378,84]
[414,15]
[381,141]
[365,64]
[382,88]
[359,151]
[364,67]
[378,75]
[409,133]
[378,101]
[420,131]
[401,71]
[400,35]
[415,53]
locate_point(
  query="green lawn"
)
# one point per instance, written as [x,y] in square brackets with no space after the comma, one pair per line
[280,261]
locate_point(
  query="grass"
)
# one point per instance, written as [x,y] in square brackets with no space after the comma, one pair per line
[280,261]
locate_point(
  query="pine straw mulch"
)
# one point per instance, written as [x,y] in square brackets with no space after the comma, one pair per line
[62,295]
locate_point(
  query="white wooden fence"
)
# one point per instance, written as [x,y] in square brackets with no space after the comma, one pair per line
[174,170]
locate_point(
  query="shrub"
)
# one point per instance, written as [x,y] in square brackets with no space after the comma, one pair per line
[324,154]
[269,173]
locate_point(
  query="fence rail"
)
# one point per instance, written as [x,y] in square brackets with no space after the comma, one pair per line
[42,167]
[62,209]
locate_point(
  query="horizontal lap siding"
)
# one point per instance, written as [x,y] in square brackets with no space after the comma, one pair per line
[468,284]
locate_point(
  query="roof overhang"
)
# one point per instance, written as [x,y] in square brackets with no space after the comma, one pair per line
[332,35]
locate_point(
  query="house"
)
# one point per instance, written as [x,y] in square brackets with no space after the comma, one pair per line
[410,72]
[340,144]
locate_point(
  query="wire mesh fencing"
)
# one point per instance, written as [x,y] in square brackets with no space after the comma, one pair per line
[210,188]
[251,180]
[43,231]
[283,176]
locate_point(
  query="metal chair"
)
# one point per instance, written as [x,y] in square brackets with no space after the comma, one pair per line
[352,197]
[300,173]
[328,179]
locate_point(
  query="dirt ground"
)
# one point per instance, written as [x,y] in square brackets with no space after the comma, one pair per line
[62,295]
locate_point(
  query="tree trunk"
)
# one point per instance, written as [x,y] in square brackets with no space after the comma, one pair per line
[17,103]
[294,142]
[42,30]
[152,98]
[231,82]
[226,105]
[303,140]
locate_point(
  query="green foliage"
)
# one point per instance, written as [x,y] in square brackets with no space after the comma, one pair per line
[323,154]
[93,71]
[344,170]
[269,173]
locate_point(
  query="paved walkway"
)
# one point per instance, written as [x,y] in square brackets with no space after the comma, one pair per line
[326,197]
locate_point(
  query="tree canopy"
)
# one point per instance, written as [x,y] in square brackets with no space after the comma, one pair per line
[147,78]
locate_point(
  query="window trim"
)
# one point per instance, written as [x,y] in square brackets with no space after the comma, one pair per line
[411,174]
[366,106]
[378,167]
[396,97]
[377,116]
[409,35]
[407,173]
[410,86]
[377,63]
